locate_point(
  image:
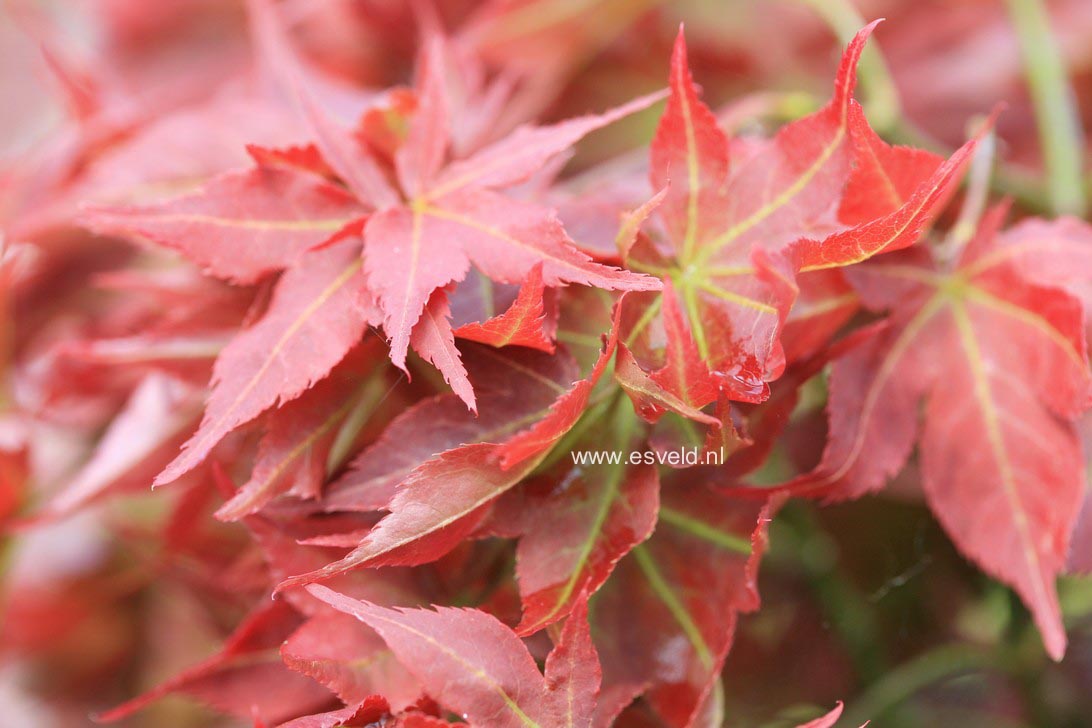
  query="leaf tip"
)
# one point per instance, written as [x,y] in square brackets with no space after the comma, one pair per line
[847,69]
[1054,639]
[679,59]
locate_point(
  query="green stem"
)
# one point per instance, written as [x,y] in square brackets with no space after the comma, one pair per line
[368,398]
[700,529]
[596,409]
[908,678]
[974,204]
[1055,110]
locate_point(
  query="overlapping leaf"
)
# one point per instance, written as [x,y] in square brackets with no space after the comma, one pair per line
[250,223]
[1000,362]
[246,678]
[514,389]
[140,440]
[524,323]
[729,225]
[373,710]
[460,219]
[575,522]
[242,225]
[679,594]
[352,662]
[294,453]
[314,318]
[478,668]
[444,499]
[449,213]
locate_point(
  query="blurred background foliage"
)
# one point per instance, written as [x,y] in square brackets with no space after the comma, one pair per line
[866,602]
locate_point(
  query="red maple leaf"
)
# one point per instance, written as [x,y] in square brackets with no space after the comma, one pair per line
[729,225]
[999,359]
[476,667]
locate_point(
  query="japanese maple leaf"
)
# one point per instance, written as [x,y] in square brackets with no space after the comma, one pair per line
[434,216]
[680,593]
[515,388]
[444,499]
[524,323]
[890,199]
[825,721]
[478,668]
[575,522]
[242,225]
[246,678]
[248,224]
[730,225]
[455,216]
[137,444]
[352,662]
[293,455]
[999,358]
[313,319]
[374,710]
[14,466]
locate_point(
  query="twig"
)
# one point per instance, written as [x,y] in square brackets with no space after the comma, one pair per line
[908,678]
[1055,110]
[974,204]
